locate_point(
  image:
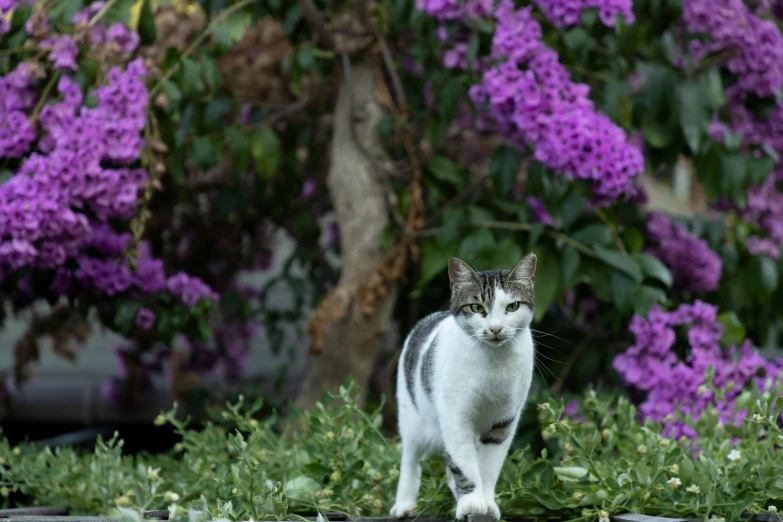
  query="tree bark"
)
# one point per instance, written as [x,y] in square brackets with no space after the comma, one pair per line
[351,346]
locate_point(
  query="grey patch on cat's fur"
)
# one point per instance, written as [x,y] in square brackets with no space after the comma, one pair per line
[427,367]
[416,340]
[462,483]
[498,433]
[469,286]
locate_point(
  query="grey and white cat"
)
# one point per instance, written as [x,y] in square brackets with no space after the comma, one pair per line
[463,379]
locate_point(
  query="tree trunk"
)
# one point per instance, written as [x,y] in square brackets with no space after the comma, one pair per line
[351,346]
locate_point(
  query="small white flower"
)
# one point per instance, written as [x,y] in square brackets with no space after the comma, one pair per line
[734,455]
[693,488]
[713,518]
[757,418]
[603,516]
[772,509]
[170,496]
[153,473]
[675,469]
[701,390]
[173,510]
[674,482]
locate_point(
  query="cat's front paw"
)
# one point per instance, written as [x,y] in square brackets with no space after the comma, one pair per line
[493,509]
[471,504]
[403,509]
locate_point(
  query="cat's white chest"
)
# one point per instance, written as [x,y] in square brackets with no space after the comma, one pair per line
[482,384]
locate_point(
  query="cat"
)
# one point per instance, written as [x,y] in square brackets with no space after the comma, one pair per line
[462,382]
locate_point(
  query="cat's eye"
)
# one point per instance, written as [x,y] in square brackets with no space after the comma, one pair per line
[513,307]
[477,308]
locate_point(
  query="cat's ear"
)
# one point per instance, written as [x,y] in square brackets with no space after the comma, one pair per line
[460,273]
[525,269]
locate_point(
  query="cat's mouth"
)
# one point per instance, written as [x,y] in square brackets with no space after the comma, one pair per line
[497,340]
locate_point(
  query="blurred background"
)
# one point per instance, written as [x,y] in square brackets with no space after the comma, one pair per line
[309,167]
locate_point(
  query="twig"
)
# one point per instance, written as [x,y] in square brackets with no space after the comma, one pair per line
[14,50]
[617,240]
[510,225]
[196,43]
[102,11]
[316,20]
[44,96]
[286,110]
[388,60]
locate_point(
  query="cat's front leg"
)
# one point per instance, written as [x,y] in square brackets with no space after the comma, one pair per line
[463,464]
[493,449]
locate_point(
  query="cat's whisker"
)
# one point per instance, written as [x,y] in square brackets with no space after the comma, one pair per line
[549,358]
[545,334]
[549,371]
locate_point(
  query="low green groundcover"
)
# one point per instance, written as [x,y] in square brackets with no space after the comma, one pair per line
[242,468]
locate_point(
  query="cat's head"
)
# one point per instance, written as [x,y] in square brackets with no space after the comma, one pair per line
[493,306]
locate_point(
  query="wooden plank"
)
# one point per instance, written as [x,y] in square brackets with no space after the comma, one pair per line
[34,510]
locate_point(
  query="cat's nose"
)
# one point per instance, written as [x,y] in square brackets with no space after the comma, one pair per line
[497,330]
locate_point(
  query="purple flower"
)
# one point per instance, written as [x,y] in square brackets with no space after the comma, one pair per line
[757,62]
[693,265]
[540,214]
[63,52]
[190,290]
[308,189]
[566,13]
[126,40]
[673,385]
[145,318]
[532,100]
[763,246]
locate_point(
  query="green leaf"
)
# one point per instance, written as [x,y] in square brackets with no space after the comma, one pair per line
[62,12]
[713,85]
[593,234]
[202,153]
[621,262]
[633,239]
[503,167]
[147,31]
[444,169]
[210,71]
[624,289]
[434,260]
[265,148]
[694,113]
[173,94]
[119,11]
[571,260]
[768,275]
[653,268]
[547,284]
[733,329]
[192,83]
[239,145]
[474,247]
[231,28]
[507,254]
[125,315]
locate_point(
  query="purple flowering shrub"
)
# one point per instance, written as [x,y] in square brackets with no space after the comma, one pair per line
[694,266]
[674,380]
[74,158]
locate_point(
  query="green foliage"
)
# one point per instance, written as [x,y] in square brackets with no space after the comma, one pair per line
[335,459]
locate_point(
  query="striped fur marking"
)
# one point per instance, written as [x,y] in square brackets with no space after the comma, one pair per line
[416,340]
[498,433]
[463,485]
[428,368]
